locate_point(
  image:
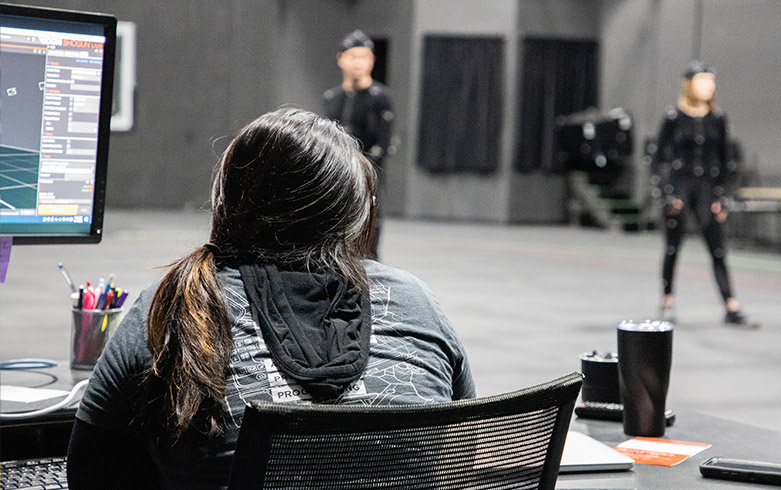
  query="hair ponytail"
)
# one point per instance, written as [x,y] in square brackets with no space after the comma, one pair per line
[190,340]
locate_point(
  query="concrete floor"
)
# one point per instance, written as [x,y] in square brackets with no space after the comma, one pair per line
[525,300]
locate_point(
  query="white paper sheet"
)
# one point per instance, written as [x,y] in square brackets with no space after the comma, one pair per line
[10,393]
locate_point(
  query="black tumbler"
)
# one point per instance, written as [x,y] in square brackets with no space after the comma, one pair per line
[645,352]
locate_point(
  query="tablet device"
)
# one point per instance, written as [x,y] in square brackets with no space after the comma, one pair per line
[585,454]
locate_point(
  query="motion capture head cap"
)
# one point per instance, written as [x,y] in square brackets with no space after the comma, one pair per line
[356,39]
[695,67]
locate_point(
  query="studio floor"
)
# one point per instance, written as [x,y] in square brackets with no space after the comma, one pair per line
[526,301]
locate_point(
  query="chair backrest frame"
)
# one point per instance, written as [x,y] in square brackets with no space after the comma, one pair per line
[264,421]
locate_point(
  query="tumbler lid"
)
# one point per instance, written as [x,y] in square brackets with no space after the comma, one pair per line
[645,326]
[596,356]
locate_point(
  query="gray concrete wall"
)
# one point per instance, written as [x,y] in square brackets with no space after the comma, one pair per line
[538,197]
[742,39]
[460,196]
[189,74]
[205,68]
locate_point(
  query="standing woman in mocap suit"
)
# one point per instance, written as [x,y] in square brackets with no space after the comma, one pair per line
[693,172]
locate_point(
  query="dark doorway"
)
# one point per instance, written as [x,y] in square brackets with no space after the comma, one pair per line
[380,71]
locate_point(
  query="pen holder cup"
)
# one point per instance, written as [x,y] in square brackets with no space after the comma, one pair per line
[90,330]
[601,372]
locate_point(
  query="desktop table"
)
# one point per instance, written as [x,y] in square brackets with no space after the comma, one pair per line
[729,439]
[45,435]
[48,436]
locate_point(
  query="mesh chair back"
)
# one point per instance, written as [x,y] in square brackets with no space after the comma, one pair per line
[513,440]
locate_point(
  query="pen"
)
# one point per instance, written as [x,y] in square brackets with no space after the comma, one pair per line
[121,299]
[80,304]
[89,298]
[67,277]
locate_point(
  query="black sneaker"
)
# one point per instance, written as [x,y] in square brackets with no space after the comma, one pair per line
[738,319]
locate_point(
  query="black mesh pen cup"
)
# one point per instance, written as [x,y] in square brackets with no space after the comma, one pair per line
[601,377]
[645,352]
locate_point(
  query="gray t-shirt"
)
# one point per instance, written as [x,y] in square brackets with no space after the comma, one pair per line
[415,358]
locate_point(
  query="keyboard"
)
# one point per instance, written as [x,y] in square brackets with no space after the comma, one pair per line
[33,474]
[611,411]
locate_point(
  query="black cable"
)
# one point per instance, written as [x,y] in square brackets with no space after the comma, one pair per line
[52,379]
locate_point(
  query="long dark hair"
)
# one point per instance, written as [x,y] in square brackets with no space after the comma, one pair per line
[291,188]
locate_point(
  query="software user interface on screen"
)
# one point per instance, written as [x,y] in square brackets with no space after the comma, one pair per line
[54,114]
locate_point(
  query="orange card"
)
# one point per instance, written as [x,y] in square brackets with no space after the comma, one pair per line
[660,452]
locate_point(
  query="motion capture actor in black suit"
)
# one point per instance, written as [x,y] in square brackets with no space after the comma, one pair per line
[363,106]
[693,173]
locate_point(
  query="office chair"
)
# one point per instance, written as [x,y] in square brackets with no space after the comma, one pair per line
[513,440]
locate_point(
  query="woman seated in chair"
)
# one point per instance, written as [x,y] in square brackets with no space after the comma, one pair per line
[280,305]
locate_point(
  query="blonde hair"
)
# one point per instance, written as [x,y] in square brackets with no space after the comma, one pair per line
[687,101]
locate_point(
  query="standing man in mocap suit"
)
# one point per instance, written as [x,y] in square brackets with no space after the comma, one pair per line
[363,106]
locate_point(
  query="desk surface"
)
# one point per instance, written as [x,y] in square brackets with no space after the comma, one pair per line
[61,377]
[728,439]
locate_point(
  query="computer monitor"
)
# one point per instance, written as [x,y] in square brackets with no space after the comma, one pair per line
[55,110]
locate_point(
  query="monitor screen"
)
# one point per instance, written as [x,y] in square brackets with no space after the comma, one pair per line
[55,109]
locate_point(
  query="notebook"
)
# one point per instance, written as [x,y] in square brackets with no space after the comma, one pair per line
[583,453]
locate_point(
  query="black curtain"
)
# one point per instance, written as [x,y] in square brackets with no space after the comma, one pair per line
[559,77]
[461,104]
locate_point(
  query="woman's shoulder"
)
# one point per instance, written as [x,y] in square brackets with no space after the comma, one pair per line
[392,286]
[378,272]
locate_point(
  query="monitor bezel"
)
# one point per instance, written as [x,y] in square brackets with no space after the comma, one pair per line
[109,24]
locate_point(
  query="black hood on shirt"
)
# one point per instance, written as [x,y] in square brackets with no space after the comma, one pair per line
[316,325]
